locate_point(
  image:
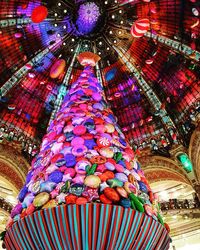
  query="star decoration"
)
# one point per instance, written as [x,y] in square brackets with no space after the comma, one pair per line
[91,193]
[59,186]
[66,177]
[51,168]
[103,185]
[127,172]
[61,198]
[47,186]
[54,193]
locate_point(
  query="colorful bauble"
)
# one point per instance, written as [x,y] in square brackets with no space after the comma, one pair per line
[140,27]
[39,14]
[58,68]
[88,58]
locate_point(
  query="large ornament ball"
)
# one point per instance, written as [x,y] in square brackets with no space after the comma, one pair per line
[39,14]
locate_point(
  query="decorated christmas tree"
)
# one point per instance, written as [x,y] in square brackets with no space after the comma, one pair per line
[85,188]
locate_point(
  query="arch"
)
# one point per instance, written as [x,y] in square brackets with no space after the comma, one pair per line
[7,171]
[194,151]
[160,168]
[13,166]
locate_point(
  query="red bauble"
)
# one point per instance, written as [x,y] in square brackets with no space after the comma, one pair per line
[39,14]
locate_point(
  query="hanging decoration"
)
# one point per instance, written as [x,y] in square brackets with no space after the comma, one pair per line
[58,68]
[39,14]
[18,35]
[149,61]
[88,16]
[88,58]
[140,27]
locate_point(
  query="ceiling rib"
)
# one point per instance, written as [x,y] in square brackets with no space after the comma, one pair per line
[17,76]
[63,87]
[176,45]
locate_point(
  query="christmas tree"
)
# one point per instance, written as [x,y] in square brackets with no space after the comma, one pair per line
[86,189]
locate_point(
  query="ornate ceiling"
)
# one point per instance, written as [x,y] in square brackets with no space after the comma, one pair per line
[151,82]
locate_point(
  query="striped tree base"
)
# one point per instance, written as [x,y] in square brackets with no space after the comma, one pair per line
[87,227]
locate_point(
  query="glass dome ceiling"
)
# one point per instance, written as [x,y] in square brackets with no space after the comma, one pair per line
[152,82]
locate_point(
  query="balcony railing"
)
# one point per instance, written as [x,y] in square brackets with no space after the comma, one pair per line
[173,204]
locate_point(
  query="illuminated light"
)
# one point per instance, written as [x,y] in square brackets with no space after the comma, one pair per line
[64,43]
[120,11]
[55,24]
[58,35]
[55,14]
[59,4]
[115,41]
[73,39]
[99,53]
[72,50]
[106,2]
[108,48]
[64,27]
[65,11]
[120,32]
[42,82]
[31,75]
[122,22]
[164,195]
[100,43]
[11,199]
[39,14]
[185,161]
[110,32]
[2,217]
[113,16]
